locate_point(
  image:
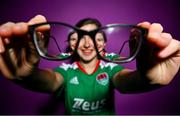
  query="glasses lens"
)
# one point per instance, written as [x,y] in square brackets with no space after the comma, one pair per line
[122,42]
[53,40]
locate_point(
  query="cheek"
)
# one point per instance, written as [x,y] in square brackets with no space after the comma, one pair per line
[73,44]
[100,45]
[80,45]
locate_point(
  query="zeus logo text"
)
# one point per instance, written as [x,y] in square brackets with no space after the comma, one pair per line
[81,104]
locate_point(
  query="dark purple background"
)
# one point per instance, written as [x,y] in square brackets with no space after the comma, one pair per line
[16,100]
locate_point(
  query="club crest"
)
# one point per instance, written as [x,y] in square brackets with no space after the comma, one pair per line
[102,78]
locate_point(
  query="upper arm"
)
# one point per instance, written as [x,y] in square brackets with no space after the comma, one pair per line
[59,80]
[61,76]
[42,80]
[119,80]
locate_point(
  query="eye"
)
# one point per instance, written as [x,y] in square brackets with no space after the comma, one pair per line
[99,39]
[73,39]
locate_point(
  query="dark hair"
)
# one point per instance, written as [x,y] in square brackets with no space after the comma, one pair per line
[86,21]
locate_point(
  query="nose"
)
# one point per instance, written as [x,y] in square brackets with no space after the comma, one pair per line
[87,41]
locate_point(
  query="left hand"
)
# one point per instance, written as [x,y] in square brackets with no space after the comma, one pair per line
[163,62]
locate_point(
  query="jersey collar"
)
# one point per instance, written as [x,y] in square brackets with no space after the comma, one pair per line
[84,71]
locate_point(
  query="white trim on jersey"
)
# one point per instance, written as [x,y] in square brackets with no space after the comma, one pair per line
[67,66]
[109,64]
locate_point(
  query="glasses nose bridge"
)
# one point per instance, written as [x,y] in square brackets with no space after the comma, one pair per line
[88,35]
[91,34]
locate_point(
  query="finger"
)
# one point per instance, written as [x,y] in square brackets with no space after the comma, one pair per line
[4,69]
[156,37]
[12,57]
[6,29]
[144,25]
[20,29]
[166,39]
[10,30]
[39,19]
[173,47]
[155,28]
[2,49]
[25,67]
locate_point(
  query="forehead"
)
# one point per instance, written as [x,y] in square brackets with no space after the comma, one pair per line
[89,27]
[74,35]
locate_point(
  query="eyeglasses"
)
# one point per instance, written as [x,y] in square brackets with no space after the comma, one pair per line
[117,43]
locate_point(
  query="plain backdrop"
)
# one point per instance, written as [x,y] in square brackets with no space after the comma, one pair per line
[17,100]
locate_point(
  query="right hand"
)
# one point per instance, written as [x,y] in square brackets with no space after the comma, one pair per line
[17,52]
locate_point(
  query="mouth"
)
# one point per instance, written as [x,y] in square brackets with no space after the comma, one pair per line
[87,52]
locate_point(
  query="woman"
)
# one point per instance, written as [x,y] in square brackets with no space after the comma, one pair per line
[88,82]
[88,89]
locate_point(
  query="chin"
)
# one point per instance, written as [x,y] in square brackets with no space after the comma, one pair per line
[87,60]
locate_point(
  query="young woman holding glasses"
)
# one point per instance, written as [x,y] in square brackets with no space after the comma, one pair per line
[89,81]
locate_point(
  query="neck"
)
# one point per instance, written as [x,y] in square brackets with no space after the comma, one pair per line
[89,67]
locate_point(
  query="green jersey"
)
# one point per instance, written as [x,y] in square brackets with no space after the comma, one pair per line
[89,93]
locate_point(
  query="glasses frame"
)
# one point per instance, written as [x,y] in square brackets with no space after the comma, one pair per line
[80,32]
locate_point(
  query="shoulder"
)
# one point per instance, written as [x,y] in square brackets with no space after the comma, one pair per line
[110,68]
[66,66]
[110,65]
[66,69]
[110,54]
[65,54]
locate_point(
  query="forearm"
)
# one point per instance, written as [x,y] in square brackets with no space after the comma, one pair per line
[39,80]
[133,82]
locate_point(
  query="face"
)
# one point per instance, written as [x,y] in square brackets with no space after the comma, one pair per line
[73,40]
[100,42]
[86,48]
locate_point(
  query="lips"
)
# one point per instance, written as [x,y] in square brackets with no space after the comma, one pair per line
[87,52]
